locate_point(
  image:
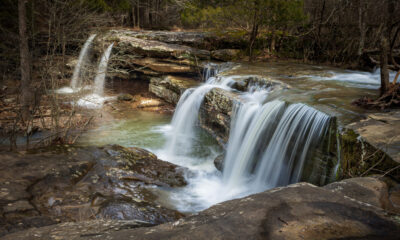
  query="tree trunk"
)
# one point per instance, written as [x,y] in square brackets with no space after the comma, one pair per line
[253,37]
[133,17]
[24,60]
[362,26]
[384,66]
[138,13]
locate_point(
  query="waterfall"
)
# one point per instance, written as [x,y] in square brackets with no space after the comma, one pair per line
[299,130]
[75,83]
[212,69]
[101,72]
[183,134]
[268,144]
[96,99]
[252,126]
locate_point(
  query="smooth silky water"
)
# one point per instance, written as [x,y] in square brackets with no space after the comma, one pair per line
[272,133]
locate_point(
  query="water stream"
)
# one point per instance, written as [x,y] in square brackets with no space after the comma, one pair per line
[97,98]
[75,81]
[272,136]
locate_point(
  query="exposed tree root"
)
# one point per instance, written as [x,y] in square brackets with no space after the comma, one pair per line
[391,99]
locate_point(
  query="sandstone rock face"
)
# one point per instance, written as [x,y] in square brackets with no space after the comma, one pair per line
[299,211]
[182,38]
[368,190]
[77,184]
[171,88]
[372,144]
[216,111]
[151,48]
[382,130]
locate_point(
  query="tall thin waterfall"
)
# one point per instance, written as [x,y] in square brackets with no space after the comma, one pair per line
[75,83]
[101,72]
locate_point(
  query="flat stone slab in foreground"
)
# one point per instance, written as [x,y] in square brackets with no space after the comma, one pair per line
[299,211]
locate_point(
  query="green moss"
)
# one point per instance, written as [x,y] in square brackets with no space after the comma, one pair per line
[359,158]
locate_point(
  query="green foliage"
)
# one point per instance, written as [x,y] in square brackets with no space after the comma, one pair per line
[244,13]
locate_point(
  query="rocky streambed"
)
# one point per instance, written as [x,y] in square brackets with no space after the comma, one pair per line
[115,192]
[67,184]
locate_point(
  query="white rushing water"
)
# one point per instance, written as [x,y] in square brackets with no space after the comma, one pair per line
[99,81]
[359,79]
[213,69]
[268,145]
[97,98]
[75,81]
[183,133]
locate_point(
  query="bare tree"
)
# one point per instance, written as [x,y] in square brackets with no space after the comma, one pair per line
[25,65]
[384,66]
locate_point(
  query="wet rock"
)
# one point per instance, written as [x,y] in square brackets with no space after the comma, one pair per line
[219,162]
[166,67]
[86,229]
[244,83]
[299,211]
[125,97]
[394,197]
[21,205]
[216,111]
[170,88]
[225,54]
[76,184]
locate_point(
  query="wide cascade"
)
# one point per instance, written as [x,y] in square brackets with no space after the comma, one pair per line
[268,146]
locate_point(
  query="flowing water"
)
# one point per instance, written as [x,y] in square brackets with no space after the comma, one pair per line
[97,98]
[76,76]
[271,136]
[75,81]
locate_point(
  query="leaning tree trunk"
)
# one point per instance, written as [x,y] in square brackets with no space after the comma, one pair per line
[384,66]
[24,60]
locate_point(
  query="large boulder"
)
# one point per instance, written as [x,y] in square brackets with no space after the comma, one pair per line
[299,211]
[170,88]
[77,184]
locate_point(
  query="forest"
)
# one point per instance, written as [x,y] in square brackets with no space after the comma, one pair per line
[195,119]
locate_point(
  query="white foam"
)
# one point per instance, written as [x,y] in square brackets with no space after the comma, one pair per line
[370,80]
[92,101]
